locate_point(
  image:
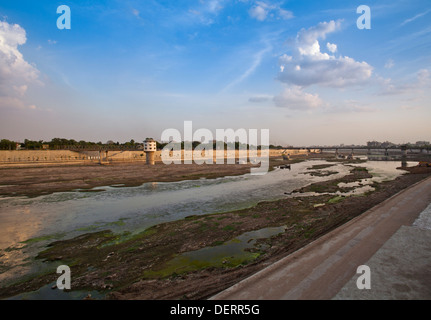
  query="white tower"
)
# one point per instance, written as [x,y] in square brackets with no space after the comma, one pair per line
[150,148]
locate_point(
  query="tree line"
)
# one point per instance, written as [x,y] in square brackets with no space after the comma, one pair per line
[61,144]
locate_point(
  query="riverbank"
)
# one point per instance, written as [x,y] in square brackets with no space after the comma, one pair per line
[180,260]
[37,180]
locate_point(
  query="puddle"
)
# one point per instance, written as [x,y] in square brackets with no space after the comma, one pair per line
[229,254]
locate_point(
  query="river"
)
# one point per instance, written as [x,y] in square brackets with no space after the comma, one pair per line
[27,225]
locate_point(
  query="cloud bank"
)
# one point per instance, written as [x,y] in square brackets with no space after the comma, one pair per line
[295,98]
[16,74]
[308,65]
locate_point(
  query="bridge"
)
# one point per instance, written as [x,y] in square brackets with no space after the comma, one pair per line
[387,151]
[403,153]
[321,149]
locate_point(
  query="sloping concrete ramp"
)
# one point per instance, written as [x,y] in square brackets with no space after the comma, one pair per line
[383,238]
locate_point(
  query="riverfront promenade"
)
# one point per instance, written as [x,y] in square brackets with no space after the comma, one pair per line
[393,239]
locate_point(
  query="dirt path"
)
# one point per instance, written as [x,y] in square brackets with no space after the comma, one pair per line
[321,269]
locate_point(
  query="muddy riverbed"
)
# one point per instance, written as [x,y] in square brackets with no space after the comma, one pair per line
[200,254]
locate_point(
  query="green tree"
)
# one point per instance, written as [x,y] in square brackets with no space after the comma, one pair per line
[7,145]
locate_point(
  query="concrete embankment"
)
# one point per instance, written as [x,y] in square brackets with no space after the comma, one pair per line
[385,238]
[64,156]
[68,156]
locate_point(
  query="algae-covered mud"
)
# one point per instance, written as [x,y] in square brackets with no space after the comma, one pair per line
[180,237]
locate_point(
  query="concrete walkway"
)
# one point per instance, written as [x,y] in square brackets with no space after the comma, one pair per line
[390,238]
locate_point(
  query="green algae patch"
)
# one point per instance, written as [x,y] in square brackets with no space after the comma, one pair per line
[119,223]
[84,245]
[186,263]
[88,228]
[239,251]
[336,199]
[321,166]
[44,238]
[321,173]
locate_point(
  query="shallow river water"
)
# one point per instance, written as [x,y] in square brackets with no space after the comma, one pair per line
[29,224]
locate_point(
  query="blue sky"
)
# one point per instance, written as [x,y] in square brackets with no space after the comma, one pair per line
[131,69]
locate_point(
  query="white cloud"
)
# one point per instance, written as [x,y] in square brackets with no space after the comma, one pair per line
[332,47]
[258,12]
[15,73]
[261,10]
[257,60]
[389,64]
[309,66]
[296,99]
[415,17]
[207,11]
[422,81]
[285,14]
[215,6]
[423,76]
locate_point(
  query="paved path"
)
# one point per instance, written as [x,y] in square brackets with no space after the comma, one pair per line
[323,268]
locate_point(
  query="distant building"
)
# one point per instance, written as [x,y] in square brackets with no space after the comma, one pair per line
[387,144]
[373,144]
[422,143]
[376,144]
[45,146]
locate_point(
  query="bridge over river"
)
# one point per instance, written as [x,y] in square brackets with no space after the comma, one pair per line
[371,152]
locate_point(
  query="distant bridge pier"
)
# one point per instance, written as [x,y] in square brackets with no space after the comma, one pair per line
[351,155]
[403,156]
[386,152]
